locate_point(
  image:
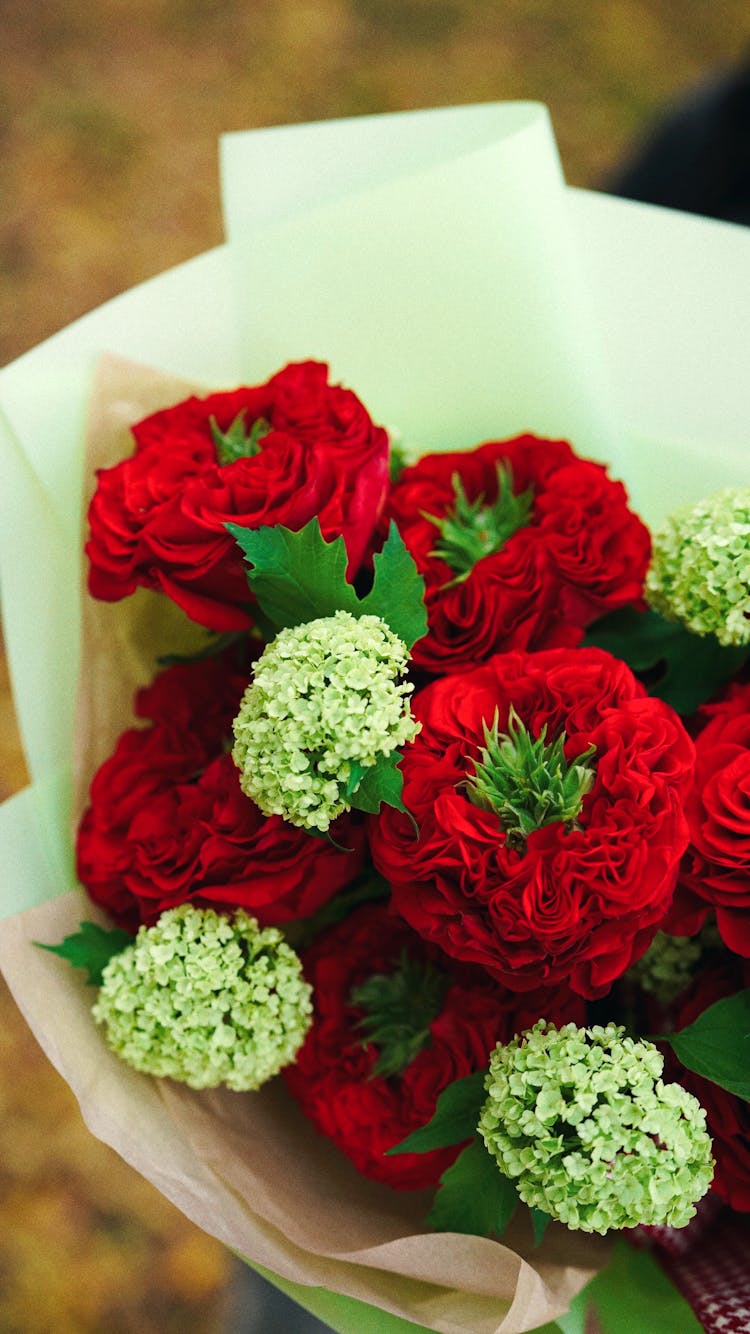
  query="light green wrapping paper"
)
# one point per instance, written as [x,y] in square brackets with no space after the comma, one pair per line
[429,258]
[477,195]
[176,322]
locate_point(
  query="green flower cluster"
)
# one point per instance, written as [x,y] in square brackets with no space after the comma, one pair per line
[583,1122]
[668,966]
[206,1000]
[327,700]
[700,569]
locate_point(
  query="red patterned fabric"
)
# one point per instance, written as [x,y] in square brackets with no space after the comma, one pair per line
[680,1240]
[714,1277]
[709,1263]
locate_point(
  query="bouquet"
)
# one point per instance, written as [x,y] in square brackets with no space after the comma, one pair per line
[415,779]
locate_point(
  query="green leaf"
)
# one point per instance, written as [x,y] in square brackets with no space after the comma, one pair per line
[91,948]
[631,1293]
[399,1007]
[634,1294]
[235,443]
[539,1222]
[357,772]
[527,780]
[296,577]
[472,530]
[474,1196]
[575,1320]
[382,782]
[679,667]
[397,593]
[454,1120]
[717,1044]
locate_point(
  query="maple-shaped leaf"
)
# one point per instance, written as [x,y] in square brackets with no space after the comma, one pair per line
[299,577]
[91,948]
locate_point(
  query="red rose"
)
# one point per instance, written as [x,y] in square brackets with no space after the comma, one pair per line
[168,824]
[579,553]
[334,1076]
[195,702]
[158,519]
[716,869]
[727,1116]
[578,903]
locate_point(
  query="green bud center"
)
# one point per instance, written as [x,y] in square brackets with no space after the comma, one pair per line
[235,443]
[473,529]
[528,782]
[398,1010]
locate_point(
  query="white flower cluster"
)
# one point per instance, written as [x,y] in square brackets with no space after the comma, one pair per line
[326,696]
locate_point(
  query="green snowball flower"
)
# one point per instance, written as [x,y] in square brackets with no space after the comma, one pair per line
[667,966]
[582,1121]
[327,700]
[700,568]
[671,962]
[206,1000]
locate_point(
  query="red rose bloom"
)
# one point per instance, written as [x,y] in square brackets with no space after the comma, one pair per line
[579,551]
[334,1078]
[168,823]
[158,519]
[576,900]
[716,868]
[727,1116]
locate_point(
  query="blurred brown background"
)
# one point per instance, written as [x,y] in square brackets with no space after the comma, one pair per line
[109,113]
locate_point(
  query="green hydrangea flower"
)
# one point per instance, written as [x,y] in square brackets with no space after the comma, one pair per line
[582,1121]
[700,569]
[206,1000]
[670,963]
[327,700]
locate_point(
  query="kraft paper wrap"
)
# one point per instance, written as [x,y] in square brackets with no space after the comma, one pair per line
[248,1168]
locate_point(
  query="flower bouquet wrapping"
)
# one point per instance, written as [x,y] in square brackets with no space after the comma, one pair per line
[384,779]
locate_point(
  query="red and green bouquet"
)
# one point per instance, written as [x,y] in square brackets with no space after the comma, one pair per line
[445,819]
